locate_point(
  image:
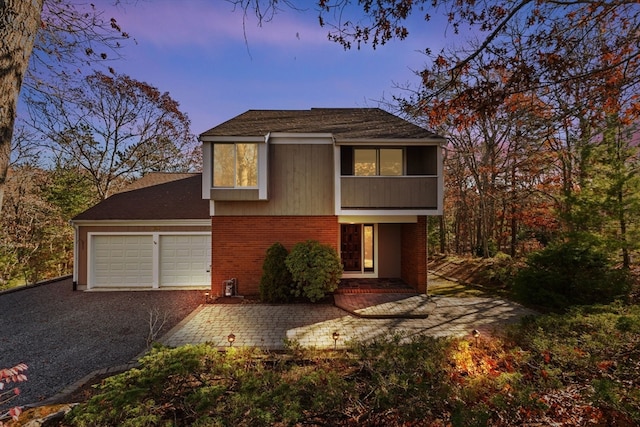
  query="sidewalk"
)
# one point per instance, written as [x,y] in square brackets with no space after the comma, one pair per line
[268,326]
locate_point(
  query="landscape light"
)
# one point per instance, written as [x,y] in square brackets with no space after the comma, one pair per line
[476,335]
[231,338]
[335,337]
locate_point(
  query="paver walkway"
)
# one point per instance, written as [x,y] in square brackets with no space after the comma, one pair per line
[269,326]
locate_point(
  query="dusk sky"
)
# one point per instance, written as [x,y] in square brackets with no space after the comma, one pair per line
[196,50]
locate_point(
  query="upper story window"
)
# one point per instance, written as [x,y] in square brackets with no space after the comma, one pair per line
[235,165]
[389,161]
[378,161]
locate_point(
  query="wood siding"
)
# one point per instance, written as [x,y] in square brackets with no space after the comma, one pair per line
[406,192]
[300,183]
[235,194]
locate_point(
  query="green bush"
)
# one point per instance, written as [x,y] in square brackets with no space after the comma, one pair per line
[315,268]
[502,270]
[202,386]
[276,281]
[575,272]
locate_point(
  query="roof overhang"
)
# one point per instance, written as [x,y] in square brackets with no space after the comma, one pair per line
[390,141]
[205,138]
[142,222]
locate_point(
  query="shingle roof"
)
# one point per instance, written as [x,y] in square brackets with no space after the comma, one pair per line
[343,123]
[155,178]
[176,199]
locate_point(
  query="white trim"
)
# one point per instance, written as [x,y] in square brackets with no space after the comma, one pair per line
[155,263]
[76,252]
[263,171]
[212,209]
[232,139]
[390,141]
[143,222]
[337,185]
[377,219]
[388,212]
[207,170]
[155,237]
[301,138]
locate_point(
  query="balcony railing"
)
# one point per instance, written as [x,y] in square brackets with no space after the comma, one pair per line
[381,192]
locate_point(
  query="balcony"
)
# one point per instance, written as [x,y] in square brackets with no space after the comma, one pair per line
[389,193]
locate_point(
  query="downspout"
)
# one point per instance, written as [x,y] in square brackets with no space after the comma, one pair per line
[76,242]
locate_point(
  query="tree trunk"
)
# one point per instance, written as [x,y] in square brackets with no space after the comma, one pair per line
[19,22]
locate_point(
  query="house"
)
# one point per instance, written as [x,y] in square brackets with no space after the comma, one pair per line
[358,179]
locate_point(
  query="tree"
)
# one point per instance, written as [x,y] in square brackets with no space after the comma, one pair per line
[62,36]
[19,21]
[115,128]
[32,229]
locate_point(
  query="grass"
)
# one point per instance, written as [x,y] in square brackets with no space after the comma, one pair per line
[450,288]
[580,368]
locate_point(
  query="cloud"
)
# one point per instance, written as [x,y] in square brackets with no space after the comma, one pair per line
[170,23]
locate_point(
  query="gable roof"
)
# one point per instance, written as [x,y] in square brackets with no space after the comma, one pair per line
[343,123]
[180,198]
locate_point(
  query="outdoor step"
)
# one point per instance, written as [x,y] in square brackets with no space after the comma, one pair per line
[386,305]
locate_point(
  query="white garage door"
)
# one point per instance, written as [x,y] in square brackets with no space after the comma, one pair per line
[184,260]
[125,260]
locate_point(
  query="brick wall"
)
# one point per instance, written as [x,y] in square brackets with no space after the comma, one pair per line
[239,244]
[414,254]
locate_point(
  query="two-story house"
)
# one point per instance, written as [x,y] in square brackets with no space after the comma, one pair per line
[359,179]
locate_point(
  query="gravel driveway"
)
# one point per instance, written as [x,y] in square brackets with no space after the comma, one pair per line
[64,335]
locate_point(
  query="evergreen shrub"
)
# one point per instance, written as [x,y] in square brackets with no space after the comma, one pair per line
[573,272]
[276,281]
[315,268]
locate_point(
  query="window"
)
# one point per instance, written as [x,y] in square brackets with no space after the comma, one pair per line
[367,237]
[235,165]
[378,161]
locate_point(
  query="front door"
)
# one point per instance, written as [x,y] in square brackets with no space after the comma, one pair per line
[351,247]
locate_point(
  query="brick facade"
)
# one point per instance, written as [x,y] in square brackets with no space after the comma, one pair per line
[239,244]
[414,254]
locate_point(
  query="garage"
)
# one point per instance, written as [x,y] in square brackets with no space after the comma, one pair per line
[154,234]
[151,260]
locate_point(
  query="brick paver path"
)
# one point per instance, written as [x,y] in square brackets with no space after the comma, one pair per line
[268,326]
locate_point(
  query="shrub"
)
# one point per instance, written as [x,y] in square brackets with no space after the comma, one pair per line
[574,272]
[502,270]
[201,386]
[275,283]
[315,269]
[11,376]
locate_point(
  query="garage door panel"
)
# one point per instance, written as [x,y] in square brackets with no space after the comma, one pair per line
[184,260]
[125,260]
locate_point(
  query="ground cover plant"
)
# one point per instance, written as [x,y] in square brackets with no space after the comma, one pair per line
[577,368]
